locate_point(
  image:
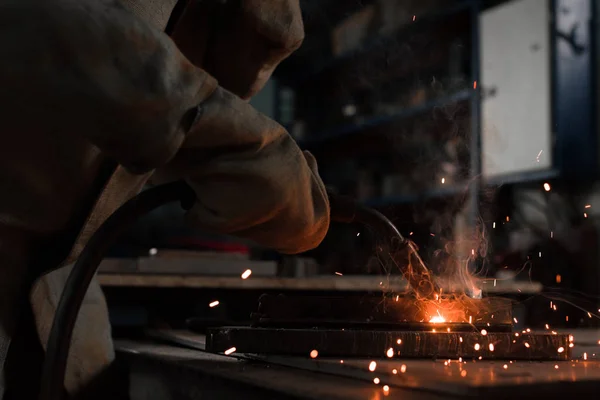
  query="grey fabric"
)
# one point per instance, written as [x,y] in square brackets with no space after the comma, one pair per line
[156,12]
[85,82]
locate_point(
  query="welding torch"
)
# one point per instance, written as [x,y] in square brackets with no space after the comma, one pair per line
[398,250]
[343,209]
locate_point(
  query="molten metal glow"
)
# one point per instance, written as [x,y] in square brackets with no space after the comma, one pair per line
[437,319]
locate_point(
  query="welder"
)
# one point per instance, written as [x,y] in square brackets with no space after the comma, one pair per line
[99,98]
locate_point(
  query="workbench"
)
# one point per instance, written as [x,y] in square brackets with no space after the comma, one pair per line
[173,365]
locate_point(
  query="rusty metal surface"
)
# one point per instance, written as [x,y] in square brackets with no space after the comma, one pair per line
[379,311]
[364,343]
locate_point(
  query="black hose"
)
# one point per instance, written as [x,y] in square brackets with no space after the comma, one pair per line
[55,362]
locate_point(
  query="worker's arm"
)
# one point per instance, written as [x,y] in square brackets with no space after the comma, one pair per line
[93,70]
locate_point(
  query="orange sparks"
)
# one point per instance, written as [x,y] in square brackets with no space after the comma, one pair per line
[386,388]
[589,314]
[437,319]
[403,368]
[558,278]
[230,351]
[399,341]
[477,347]
[463,373]
[314,354]
[507,218]
[491,347]
[585,356]
[505,366]
[341,361]
[246,274]
[527,345]
[588,206]
[547,326]
[376,381]
[443,180]
[213,304]
[483,332]
[584,215]
[414,18]
[339,273]
[560,349]
[555,366]
[474,84]
[372,366]
[547,187]
[394,371]
[470,319]
[390,353]
[514,319]
[460,339]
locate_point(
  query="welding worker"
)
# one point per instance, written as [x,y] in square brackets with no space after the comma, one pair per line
[96,100]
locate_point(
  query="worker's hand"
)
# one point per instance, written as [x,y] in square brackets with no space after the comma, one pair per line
[250,177]
[240,43]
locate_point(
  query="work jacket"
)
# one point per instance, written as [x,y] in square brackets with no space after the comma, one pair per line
[95,101]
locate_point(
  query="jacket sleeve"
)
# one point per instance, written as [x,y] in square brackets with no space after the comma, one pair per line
[250,177]
[91,68]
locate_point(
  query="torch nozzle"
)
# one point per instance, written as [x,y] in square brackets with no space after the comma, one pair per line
[402,252]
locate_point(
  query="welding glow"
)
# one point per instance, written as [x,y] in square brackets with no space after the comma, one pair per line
[246,274]
[437,319]
[390,353]
[372,366]
[214,304]
[314,354]
[230,351]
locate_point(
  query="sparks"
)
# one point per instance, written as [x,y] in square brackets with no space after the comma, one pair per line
[390,353]
[547,326]
[443,180]
[246,274]
[460,339]
[474,84]
[403,368]
[230,351]
[394,371]
[507,218]
[463,373]
[588,206]
[372,366]
[214,304]
[589,314]
[414,18]
[585,356]
[483,332]
[386,388]
[558,278]
[555,366]
[539,155]
[339,273]
[314,354]
[584,215]
[358,234]
[491,347]
[547,187]
[437,319]
[477,347]
[399,341]
[560,349]
[527,345]
[494,225]
[514,319]
[470,319]
[376,381]
[505,366]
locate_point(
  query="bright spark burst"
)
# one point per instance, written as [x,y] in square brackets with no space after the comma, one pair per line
[246,274]
[437,319]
